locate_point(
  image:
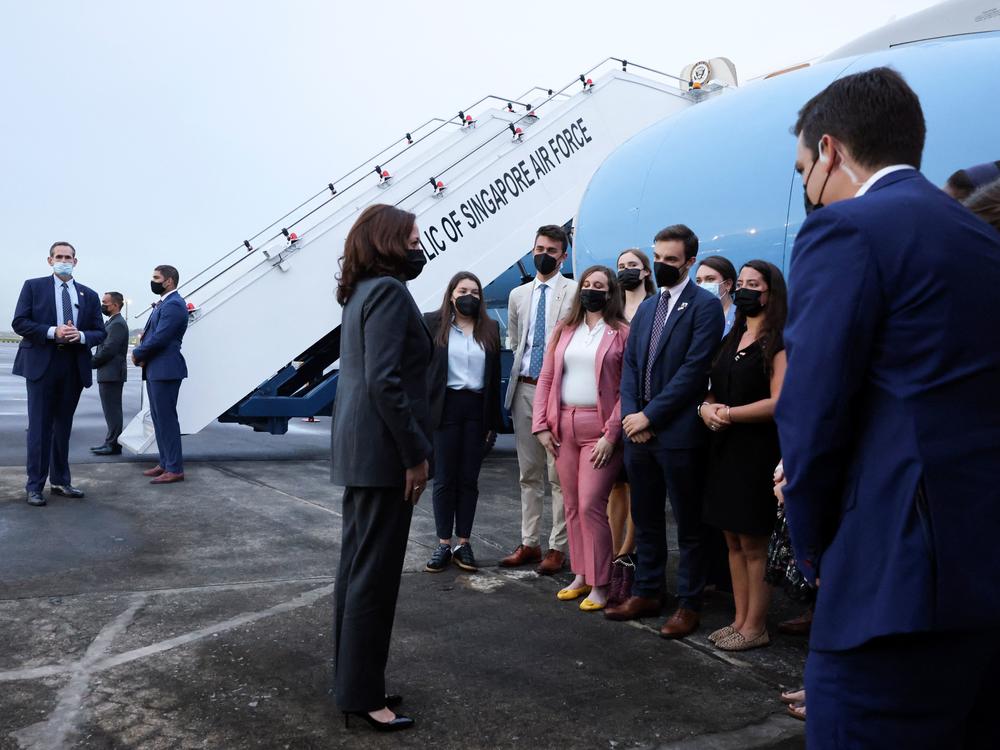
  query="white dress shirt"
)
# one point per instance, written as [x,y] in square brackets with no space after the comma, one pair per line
[579,380]
[466,361]
[878,176]
[675,293]
[528,330]
[62,315]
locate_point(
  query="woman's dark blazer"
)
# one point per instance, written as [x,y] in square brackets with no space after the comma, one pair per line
[380,415]
[437,379]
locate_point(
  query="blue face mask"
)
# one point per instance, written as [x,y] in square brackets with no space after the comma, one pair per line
[63,269]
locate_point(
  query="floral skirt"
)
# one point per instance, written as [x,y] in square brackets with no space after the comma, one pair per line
[781,568]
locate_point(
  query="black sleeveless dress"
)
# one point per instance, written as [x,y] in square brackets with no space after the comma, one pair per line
[739,496]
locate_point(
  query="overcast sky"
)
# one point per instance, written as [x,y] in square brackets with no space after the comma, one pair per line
[149,133]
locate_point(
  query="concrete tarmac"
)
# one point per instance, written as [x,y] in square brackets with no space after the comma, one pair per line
[198,615]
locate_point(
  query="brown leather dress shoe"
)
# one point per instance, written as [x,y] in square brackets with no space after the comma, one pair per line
[635,607]
[521,556]
[681,623]
[552,563]
[154,472]
[800,625]
[168,477]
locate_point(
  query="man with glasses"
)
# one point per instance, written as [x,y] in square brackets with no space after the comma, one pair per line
[58,320]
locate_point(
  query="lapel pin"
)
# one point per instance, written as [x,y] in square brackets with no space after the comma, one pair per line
[682,307]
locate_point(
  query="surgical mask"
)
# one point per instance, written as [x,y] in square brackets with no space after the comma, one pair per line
[747,301]
[630,278]
[157,287]
[593,300]
[415,262]
[63,269]
[712,287]
[545,263]
[468,305]
[666,274]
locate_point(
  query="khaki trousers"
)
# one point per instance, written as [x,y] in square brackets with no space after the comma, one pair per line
[534,463]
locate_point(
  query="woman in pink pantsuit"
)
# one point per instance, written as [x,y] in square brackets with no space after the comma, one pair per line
[577,417]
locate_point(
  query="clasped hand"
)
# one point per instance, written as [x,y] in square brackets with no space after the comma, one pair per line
[68,332]
[637,428]
[715,416]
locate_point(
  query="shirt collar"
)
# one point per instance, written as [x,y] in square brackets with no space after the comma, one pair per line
[172,291]
[879,175]
[551,283]
[59,282]
[677,288]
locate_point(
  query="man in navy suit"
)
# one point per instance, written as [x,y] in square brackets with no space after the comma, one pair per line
[58,320]
[163,369]
[889,419]
[665,376]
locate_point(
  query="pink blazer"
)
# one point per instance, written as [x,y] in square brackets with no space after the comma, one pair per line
[548,394]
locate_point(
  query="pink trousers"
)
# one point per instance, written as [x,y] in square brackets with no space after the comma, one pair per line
[585,493]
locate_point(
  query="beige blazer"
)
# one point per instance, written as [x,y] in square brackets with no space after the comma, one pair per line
[517,318]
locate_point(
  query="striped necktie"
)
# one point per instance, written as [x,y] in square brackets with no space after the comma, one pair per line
[659,321]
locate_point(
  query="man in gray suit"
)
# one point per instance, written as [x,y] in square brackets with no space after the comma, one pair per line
[532,312]
[109,361]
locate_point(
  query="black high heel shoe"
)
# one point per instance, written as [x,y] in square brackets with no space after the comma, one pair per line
[400,722]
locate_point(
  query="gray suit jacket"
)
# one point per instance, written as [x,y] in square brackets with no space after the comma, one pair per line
[109,357]
[517,319]
[381,423]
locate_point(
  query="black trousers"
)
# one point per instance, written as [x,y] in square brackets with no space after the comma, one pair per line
[459,444]
[111,403]
[373,545]
[657,474]
[52,401]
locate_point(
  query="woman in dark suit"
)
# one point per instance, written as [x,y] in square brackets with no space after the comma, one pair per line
[380,449]
[464,389]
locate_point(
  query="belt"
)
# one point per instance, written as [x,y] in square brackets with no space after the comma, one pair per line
[529,381]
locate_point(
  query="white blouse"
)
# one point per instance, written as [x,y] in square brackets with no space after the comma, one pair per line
[579,381]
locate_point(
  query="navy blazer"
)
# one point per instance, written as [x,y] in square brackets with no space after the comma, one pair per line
[889,414]
[681,365]
[36,313]
[159,351]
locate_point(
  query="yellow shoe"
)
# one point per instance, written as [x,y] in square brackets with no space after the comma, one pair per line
[567,595]
[589,605]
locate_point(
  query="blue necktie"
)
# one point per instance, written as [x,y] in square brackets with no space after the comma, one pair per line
[538,337]
[67,306]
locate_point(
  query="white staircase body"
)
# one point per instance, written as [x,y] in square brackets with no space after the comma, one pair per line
[499,186]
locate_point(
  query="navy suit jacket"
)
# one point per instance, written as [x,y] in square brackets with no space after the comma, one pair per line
[159,351]
[36,313]
[889,414]
[683,358]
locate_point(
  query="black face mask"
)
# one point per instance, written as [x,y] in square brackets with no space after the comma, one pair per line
[629,278]
[593,300]
[415,262]
[810,206]
[157,287]
[666,274]
[747,301]
[468,305]
[545,264]
[105,311]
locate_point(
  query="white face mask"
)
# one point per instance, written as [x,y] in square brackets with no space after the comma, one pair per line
[710,286]
[63,269]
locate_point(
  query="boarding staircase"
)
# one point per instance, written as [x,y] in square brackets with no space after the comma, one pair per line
[479,183]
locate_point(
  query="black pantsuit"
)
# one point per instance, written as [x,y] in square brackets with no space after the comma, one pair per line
[380,429]
[459,444]
[376,527]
